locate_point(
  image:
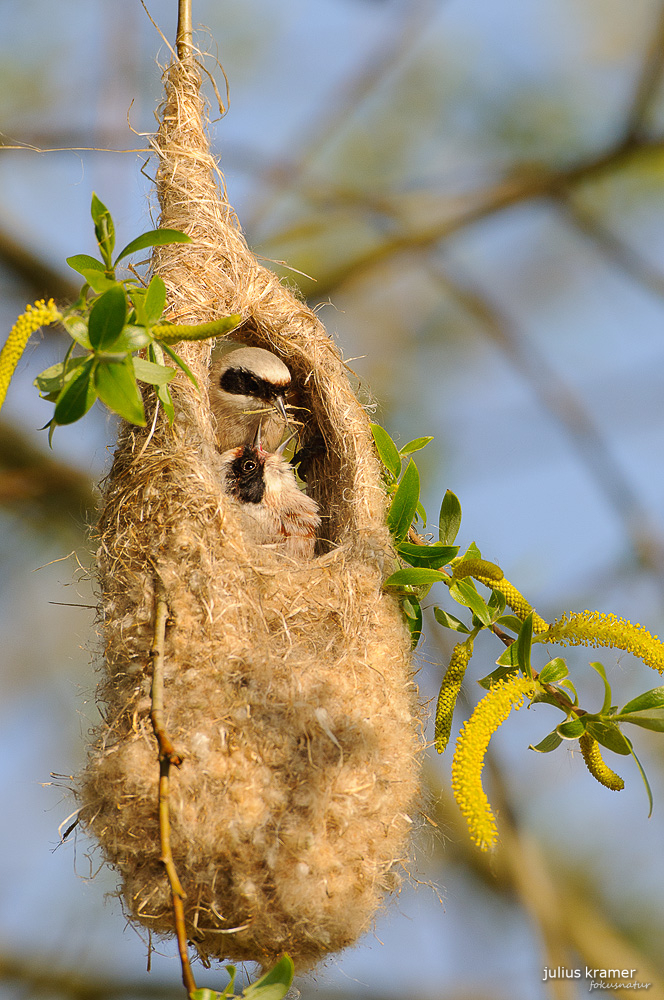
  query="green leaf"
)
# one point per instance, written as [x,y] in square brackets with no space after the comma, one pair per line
[153,238]
[404,503]
[417,576]
[523,643]
[644,778]
[497,675]
[413,612]
[166,400]
[508,658]
[230,985]
[472,552]
[107,318]
[549,743]
[77,328]
[415,445]
[83,262]
[450,518]
[179,362]
[654,698]
[77,396]
[449,621]
[497,603]
[275,984]
[206,994]
[146,371]
[116,386]
[652,719]
[155,299]
[609,736]
[566,683]
[465,593]
[571,730]
[387,450]
[52,379]
[599,668]
[554,671]
[510,621]
[427,555]
[132,338]
[104,229]
[98,280]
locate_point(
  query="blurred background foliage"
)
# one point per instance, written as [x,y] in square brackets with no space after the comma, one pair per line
[473,195]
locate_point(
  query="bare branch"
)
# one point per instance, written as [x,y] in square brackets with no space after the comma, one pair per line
[647,83]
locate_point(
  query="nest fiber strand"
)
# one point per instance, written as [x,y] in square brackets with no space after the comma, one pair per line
[287,682]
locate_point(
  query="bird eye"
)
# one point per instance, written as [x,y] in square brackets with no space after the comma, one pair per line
[248,465]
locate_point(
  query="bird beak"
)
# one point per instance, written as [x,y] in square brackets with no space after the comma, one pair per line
[282,447]
[279,405]
[256,443]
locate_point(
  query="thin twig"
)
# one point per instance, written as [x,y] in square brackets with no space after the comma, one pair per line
[184,36]
[648,81]
[167,756]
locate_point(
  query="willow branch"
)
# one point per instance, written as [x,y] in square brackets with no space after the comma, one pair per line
[167,756]
[184,36]
[648,81]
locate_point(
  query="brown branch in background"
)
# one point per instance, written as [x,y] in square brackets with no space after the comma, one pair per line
[610,245]
[568,410]
[167,756]
[33,269]
[573,925]
[287,175]
[647,83]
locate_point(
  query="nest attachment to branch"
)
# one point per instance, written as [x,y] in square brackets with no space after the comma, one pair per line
[287,682]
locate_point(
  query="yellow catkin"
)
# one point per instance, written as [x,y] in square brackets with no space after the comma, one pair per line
[471,749]
[41,314]
[600,771]
[449,691]
[592,628]
[171,333]
[492,576]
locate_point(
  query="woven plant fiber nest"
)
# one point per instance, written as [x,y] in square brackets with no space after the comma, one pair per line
[288,686]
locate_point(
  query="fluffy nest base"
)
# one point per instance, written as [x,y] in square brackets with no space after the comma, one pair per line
[288,686]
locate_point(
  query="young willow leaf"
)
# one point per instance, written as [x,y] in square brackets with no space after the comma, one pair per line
[434,556]
[413,611]
[387,450]
[83,262]
[77,396]
[644,778]
[179,362]
[465,593]
[107,318]
[104,229]
[155,299]
[449,621]
[116,386]
[524,643]
[415,445]
[404,503]
[417,576]
[571,730]
[549,743]
[508,657]
[554,671]
[275,984]
[499,674]
[599,668]
[609,736]
[146,371]
[643,702]
[450,518]
[652,718]
[153,238]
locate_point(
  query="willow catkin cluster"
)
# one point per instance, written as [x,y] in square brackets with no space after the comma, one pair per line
[288,687]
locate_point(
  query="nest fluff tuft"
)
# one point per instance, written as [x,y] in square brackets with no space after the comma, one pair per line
[288,686]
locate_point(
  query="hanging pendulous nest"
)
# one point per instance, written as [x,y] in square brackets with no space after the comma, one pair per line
[288,686]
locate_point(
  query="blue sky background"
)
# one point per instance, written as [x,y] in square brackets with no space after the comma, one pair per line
[351,122]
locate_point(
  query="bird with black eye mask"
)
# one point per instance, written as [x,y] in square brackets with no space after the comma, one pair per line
[247,391]
[274,510]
